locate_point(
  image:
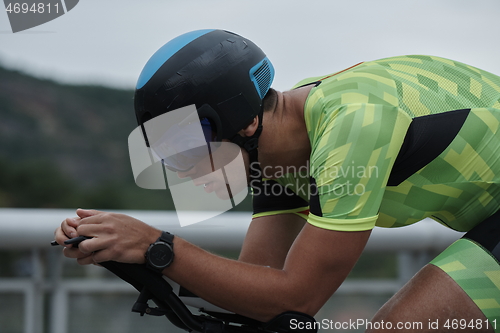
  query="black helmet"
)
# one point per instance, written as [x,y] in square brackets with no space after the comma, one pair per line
[225,75]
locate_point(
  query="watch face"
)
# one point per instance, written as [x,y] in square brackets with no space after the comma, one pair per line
[160,255]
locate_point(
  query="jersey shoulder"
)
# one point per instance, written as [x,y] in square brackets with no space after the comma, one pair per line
[417,84]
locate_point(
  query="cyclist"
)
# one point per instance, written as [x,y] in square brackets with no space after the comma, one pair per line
[385,143]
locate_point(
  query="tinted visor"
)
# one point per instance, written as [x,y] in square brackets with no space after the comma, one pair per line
[183,146]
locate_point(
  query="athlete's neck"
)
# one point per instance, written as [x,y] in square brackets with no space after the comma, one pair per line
[284,142]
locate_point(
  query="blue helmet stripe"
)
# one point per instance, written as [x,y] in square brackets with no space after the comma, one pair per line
[165,52]
[262,75]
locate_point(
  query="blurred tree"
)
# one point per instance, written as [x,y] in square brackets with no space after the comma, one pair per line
[35,183]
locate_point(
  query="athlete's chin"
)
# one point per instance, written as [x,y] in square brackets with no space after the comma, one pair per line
[222,193]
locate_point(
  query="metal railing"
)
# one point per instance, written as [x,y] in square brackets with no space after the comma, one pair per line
[47,292]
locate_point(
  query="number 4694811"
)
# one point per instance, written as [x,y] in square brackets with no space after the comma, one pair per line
[36,8]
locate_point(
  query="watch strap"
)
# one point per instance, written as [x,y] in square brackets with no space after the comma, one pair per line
[167,238]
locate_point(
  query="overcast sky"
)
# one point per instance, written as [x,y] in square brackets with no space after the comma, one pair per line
[109,41]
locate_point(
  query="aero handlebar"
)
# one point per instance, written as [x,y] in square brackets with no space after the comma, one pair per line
[152,286]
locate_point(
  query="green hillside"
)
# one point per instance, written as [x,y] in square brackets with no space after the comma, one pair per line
[65,146]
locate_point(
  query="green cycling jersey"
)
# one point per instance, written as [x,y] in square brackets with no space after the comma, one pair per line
[394,141]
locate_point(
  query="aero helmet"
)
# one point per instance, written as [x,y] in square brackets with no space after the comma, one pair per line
[225,75]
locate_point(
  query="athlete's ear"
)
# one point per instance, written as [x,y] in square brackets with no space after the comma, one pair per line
[250,129]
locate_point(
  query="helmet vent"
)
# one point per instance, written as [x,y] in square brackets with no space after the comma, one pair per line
[262,76]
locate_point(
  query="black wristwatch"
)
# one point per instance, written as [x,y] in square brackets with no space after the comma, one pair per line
[160,254]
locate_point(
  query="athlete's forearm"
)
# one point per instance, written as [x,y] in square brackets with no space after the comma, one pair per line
[318,257]
[254,291]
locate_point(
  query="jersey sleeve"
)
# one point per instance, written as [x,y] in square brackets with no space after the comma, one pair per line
[353,150]
[272,198]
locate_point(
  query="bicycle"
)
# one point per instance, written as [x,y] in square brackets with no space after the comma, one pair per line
[154,287]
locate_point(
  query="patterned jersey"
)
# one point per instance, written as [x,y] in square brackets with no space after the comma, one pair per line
[394,141]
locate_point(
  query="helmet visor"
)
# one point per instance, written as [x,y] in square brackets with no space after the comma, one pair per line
[202,175]
[182,147]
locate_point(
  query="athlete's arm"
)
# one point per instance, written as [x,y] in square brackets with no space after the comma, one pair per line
[316,265]
[269,238]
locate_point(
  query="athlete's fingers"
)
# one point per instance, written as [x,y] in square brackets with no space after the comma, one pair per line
[83,213]
[93,244]
[66,230]
[102,256]
[72,221]
[92,230]
[103,236]
[99,249]
[60,237]
[87,260]
[74,253]
[117,237]
[90,259]
[96,217]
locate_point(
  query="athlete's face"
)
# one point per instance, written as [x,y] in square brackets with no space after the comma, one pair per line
[222,172]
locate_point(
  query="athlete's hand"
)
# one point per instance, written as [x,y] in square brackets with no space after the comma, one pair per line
[116,237]
[66,231]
